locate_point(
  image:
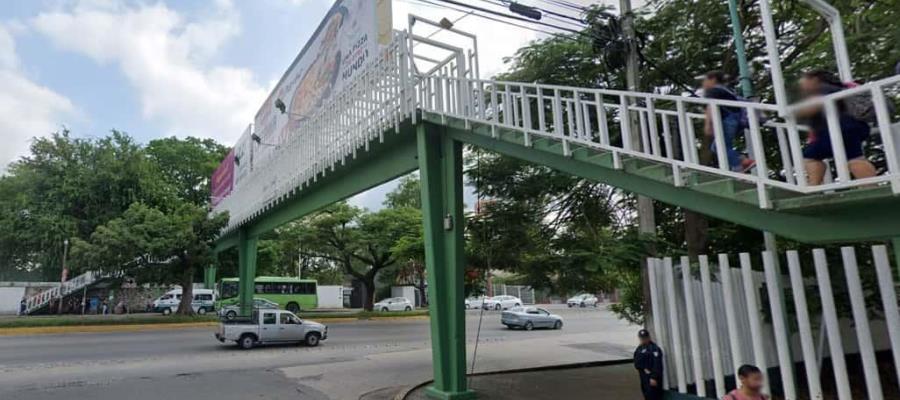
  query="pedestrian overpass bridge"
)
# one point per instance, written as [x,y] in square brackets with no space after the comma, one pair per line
[414,110]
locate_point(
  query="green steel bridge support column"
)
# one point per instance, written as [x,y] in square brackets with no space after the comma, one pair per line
[246,271]
[209,277]
[440,166]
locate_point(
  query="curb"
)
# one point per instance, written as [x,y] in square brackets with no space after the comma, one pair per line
[49,330]
[110,328]
[405,392]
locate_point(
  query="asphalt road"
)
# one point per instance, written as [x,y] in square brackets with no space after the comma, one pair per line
[163,364]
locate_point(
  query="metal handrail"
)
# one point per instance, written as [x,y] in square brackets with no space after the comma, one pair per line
[390,90]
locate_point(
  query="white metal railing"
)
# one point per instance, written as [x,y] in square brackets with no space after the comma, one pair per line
[758,329]
[38,301]
[666,129]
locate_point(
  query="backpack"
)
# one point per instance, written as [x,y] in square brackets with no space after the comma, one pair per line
[861,106]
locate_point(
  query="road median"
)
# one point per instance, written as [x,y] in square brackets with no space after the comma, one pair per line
[142,322]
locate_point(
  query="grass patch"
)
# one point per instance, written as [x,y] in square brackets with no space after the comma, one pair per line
[68,320]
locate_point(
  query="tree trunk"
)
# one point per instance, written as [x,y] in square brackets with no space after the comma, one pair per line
[369,298]
[185,307]
[696,233]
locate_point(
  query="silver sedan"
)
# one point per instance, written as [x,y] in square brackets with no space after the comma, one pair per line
[529,318]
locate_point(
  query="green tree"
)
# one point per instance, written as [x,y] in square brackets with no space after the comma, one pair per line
[66,187]
[187,165]
[362,243]
[173,243]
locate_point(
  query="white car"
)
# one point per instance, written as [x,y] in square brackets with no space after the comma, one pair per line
[583,300]
[475,302]
[501,303]
[393,304]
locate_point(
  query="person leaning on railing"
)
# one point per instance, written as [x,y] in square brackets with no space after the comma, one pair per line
[818,148]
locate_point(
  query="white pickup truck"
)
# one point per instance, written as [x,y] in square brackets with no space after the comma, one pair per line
[271,326]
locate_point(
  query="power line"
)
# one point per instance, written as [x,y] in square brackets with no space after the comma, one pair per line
[510,16]
[444,6]
[548,13]
[591,36]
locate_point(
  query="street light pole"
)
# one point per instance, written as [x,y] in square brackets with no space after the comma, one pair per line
[65,276]
[747,91]
[738,34]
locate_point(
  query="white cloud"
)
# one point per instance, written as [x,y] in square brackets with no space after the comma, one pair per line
[168,59]
[27,109]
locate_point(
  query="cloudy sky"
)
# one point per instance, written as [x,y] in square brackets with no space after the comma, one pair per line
[162,68]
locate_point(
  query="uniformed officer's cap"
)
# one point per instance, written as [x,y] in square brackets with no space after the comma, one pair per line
[644,334]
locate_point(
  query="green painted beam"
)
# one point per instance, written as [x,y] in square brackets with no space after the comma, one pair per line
[384,161]
[877,218]
[440,166]
[226,242]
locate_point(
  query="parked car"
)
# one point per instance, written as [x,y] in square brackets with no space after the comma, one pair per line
[583,300]
[271,326]
[501,302]
[231,311]
[529,318]
[204,301]
[393,304]
[475,302]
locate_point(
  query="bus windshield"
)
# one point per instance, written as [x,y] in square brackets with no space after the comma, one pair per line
[228,290]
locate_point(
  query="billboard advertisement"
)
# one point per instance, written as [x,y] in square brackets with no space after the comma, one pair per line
[350,35]
[222,180]
[345,40]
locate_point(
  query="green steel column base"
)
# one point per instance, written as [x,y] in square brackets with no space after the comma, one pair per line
[433,393]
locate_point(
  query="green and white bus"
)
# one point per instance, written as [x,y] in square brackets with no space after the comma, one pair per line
[292,294]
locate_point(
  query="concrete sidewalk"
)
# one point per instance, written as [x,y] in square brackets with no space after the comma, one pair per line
[617,381]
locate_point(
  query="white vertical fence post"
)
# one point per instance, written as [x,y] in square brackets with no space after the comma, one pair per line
[805,328]
[753,312]
[656,297]
[861,319]
[728,294]
[675,325]
[889,300]
[688,281]
[785,364]
[706,281]
[832,328]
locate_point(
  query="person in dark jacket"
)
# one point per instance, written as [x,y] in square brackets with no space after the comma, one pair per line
[648,361]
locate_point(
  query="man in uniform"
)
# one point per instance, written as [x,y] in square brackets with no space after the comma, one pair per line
[648,360]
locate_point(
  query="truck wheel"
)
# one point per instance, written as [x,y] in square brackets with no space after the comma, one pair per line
[230,315]
[167,311]
[293,307]
[247,341]
[312,339]
[201,311]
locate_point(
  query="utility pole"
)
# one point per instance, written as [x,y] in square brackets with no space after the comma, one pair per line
[737,32]
[646,217]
